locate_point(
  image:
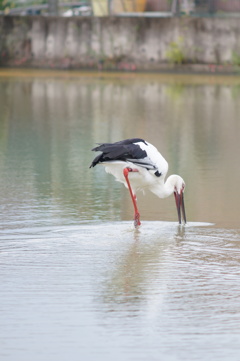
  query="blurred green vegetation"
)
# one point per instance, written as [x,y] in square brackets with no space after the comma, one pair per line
[175,53]
[236,58]
[6,5]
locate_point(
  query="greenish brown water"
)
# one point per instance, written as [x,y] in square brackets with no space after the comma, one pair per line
[77,281]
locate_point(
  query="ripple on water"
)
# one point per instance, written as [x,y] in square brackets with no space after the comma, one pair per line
[162,290]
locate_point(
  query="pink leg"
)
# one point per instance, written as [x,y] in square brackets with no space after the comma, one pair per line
[133,196]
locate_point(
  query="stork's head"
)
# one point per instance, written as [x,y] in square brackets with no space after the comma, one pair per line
[178,185]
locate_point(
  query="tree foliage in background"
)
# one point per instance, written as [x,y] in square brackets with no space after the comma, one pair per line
[1,5]
[6,4]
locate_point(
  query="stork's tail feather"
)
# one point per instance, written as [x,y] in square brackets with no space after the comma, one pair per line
[99,158]
[101,147]
[96,161]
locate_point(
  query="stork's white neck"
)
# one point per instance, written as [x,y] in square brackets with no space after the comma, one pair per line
[173,183]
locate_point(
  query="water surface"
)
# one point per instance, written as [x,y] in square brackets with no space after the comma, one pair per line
[77,280]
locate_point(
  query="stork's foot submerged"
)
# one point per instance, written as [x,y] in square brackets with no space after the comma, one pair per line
[137,222]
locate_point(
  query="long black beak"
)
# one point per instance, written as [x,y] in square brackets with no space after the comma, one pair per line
[179,198]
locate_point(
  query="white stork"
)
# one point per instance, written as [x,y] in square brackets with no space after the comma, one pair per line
[139,166]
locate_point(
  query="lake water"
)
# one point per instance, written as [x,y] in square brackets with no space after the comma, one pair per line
[78,282]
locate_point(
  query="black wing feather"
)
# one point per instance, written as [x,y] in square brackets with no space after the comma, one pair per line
[103,146]
[124,150]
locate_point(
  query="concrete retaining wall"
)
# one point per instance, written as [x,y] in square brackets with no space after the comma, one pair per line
[119,42]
